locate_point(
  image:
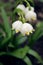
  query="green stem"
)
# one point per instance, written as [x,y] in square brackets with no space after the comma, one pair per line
[27,3]
[23,19]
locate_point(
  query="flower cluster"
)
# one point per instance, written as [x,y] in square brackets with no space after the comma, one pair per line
[25,28]
[30,15]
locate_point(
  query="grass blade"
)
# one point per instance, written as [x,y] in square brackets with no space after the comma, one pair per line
[6,22]
[27,61]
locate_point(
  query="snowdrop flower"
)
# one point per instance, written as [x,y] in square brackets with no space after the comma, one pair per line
[27,9]
[17,26]
[26,29]
[21,6]
[30,16]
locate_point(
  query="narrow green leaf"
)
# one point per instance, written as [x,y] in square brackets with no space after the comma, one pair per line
[6,26]
[39,24]
[19,53]
[17,2]
[21,39]
[35,54]
[9,4]
[5,40]
[37,34]
[39,31]
[17,10]
[27,61]
[11,45]
[40,35]
[2,53]
[6,22]
[31,1]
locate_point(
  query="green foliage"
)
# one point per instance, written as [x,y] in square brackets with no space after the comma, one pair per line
[27,61]
[32,2]
[37,34]
[20,39]
[19,53]
[6,22]
[35,54]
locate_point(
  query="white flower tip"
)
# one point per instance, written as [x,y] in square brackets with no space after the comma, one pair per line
[27,33]
[17,31]
[34,18]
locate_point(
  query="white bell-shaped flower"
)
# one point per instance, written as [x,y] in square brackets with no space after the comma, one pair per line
[27,9]
[30,16]
[21,6]
[26,29]
[17,26]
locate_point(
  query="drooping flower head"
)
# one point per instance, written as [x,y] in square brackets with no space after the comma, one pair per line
[17,26]
[30,16]
[26,29]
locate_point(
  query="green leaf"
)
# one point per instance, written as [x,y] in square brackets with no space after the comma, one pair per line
[11,45]
[37,34]
[21,39]
[31,1]
[9,4]
[6,26]
[18,11]
[5,40]
[35,54]
[2,53]
[1,27]
[39,24]
[19,53]
[17,2]
[18,40]
[6,22]
[39,31]
[27,61]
